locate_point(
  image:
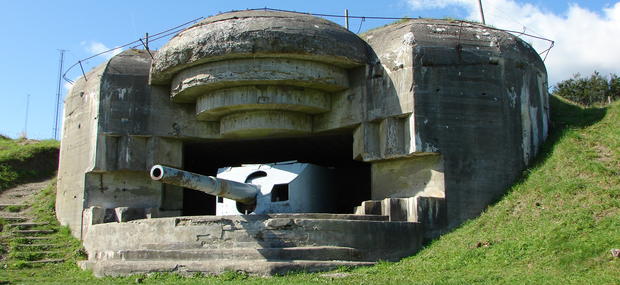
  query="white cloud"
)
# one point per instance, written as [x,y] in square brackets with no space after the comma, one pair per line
[584,40]
[95,47]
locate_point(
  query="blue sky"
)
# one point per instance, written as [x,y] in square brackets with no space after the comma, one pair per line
[586,33]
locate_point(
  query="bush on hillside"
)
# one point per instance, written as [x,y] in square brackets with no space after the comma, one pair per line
[595,89]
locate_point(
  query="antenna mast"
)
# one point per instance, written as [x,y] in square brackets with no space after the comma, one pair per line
[481,12]
[58,92]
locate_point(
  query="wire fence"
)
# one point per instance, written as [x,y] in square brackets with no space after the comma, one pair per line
[143,41]
[176,29]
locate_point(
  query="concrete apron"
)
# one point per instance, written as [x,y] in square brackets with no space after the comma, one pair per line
[256,244]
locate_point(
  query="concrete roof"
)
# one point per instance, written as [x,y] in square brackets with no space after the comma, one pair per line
[251,34]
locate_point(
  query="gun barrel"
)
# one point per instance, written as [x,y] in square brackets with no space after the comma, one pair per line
[240,192]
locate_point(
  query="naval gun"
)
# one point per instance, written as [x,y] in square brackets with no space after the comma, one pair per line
[241,192]
[283,187]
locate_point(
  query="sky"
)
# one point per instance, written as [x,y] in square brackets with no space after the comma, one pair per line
[586,35]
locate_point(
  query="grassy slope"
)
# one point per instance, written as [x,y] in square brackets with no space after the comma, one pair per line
[22,160]
[556,226]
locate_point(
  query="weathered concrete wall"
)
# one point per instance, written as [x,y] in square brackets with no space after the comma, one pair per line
[410,177]
[77,148]
[479,98]
[127,145]
[121,189]
[115,128]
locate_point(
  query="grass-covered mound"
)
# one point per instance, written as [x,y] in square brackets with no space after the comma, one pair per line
[22,160]
[556,226]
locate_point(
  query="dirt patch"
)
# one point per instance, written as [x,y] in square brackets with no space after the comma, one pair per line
[604,153]
[606,214]
[26,142]
[22,194]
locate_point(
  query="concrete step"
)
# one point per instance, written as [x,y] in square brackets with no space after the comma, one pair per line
[37,255]
[35,239]
[199,245]
[23,226]
[173,246]
[265,243]
[14,219]
[252,267]
[37,246]
[51,260]
[33,232]
[292,253]
[6,207]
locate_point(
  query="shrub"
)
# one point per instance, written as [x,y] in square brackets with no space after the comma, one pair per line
[595,89]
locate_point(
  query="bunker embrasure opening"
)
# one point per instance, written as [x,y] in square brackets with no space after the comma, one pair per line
[312,174]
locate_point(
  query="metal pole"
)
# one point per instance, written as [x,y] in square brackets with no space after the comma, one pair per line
[481,12]
[346,18]
[58,92]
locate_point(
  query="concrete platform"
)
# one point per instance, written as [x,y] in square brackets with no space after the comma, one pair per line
[256,244]
[252,267]
[208,254]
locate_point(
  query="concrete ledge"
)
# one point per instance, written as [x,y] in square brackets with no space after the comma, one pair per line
[314,216]
[206,254]
[253,267]
[265,123]
[188,84]
[213,105]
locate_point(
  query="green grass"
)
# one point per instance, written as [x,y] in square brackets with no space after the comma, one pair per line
[556,226]
[15,208]
[22,160]
[16,266]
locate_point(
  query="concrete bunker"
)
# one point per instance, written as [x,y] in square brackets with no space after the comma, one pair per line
[421,124]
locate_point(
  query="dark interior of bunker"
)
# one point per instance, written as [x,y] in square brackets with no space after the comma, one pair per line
[332,151]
